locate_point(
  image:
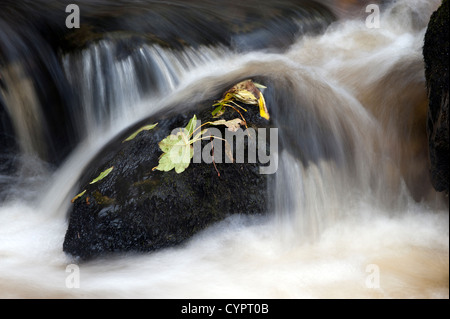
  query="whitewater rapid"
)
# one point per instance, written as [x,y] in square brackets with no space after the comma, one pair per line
[365,224]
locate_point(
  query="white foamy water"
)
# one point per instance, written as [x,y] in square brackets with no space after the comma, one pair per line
[240,258]
[355,216]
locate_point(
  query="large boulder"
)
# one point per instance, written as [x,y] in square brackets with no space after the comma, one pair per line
[138,209]
[436,55]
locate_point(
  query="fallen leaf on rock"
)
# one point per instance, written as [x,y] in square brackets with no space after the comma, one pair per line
[102,175]
[177,149]
[247,92]
[144,128]
[78,196]
[233,125]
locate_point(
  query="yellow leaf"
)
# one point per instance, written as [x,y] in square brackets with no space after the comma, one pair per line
[245,92]
[246,97]
[78,196]
[262,107]
[228,97]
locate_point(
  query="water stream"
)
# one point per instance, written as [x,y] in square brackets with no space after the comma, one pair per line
[354,213]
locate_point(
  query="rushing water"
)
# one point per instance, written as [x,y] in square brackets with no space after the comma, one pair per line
[354,215]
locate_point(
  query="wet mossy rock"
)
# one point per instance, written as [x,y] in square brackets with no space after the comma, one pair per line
[436,56]
[137,209]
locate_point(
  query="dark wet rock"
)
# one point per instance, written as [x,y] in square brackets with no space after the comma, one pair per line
[7,139]
[30,66]
[137,209]
[8,145]
[247,25]
[436,56]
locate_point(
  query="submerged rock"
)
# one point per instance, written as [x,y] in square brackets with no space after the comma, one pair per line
[135,208]
[436,55]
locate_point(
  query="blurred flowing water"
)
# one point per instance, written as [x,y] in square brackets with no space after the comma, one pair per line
[353,212]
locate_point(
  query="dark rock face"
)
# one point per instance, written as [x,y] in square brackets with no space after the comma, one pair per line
[137,209]
[247,25]
[436,55]
[7,139]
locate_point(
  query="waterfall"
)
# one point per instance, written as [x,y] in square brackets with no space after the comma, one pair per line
[351,193]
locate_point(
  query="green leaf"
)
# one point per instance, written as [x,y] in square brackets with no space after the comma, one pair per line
[178,158]
[191,126]
[165,164]
[182,158]
[177,152]
[78,196]
[218,111]
[102,175]
[169,142]
[144,128]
